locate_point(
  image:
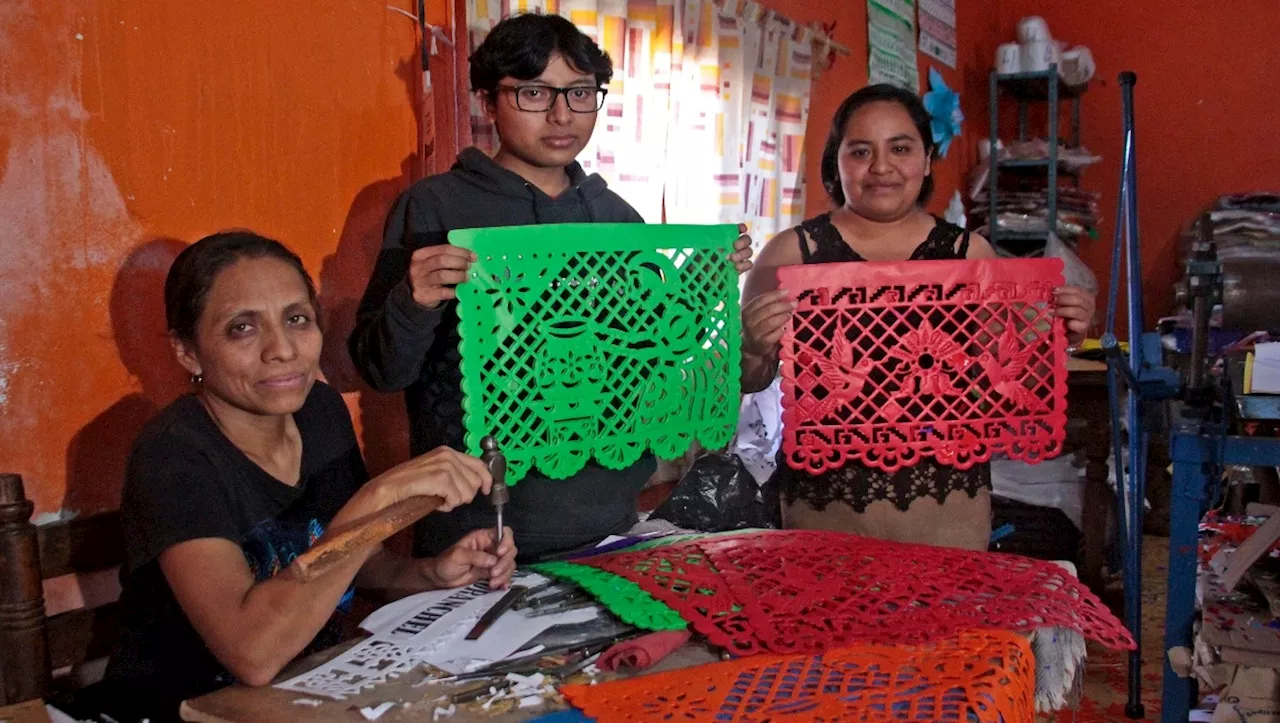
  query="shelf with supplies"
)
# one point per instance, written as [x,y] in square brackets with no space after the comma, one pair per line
[1023,174]
[1033,164]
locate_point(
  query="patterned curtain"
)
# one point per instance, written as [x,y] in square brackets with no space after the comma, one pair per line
[630,141]
[741,102]
[705,117]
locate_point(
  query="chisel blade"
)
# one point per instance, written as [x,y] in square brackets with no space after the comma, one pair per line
[505,603]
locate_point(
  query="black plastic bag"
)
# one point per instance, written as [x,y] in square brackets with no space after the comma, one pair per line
[718,494]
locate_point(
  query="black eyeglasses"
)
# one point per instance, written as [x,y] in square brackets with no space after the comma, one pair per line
[542,98]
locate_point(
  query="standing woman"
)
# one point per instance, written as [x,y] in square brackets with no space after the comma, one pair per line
[228,485]
[876,168]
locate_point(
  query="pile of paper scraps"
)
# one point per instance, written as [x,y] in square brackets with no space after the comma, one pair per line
[430,629]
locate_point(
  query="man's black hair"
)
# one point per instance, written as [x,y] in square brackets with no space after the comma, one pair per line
[521,46]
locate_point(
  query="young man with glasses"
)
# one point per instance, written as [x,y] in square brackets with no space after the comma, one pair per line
[542,82]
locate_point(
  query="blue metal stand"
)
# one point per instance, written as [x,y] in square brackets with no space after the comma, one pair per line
[1146,381]
[1199,453]
[1200,447]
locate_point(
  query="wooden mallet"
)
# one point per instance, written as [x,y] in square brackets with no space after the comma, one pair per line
[359,535]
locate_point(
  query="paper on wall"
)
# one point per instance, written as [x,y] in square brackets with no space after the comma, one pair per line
[891,46]
[938,30]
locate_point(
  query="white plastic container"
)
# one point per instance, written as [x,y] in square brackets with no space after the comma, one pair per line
[1038,55]
[1009,58]
[1078,66]
[1032,29]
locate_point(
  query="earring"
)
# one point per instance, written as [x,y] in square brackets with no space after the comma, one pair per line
[197,379]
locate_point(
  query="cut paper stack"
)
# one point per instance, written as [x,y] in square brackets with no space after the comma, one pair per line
[814,604]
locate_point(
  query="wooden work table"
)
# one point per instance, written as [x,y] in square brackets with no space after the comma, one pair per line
[1087,403]
[31,711]
[242,704]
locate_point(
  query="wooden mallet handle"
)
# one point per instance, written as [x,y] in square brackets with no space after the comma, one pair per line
[358,535]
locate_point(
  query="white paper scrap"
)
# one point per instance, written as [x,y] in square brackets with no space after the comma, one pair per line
[489,703]
[372,713]
[433,632]
[393,613]
[528,651]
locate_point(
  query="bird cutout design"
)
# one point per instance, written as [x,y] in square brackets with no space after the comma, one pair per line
[1005,371]
[943,380]
[841,376]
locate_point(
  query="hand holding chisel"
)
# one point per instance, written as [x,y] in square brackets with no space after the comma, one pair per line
[498,493]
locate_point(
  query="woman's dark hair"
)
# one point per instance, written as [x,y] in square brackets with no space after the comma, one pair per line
[521,46]
[186,288]
[872,94]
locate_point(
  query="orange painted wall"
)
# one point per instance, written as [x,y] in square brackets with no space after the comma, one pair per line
[1205,102]
[129,128]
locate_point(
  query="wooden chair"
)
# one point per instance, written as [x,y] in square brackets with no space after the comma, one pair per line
[34,647]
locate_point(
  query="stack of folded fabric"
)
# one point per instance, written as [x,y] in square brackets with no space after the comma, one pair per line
[1026,210]
[1246,232]
[1022,202]
[1240,223]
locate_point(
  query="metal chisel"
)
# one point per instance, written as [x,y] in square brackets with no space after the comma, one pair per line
[505,603]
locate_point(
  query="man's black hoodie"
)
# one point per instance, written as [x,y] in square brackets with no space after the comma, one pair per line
[399,345]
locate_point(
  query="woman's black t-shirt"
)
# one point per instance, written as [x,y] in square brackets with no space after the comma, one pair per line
[187,481]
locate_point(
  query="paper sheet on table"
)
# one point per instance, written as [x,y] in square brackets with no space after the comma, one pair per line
[507,635]
[390,615]
[431,631]
[1266,368]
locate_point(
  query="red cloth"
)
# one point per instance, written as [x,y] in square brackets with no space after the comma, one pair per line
[639,653]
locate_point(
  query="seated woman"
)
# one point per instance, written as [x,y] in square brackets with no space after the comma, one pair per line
[227,486]
[876,169]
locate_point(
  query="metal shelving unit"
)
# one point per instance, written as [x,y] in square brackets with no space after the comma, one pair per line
[1028,88]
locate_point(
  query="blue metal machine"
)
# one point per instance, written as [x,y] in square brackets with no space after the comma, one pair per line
[1201,442]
